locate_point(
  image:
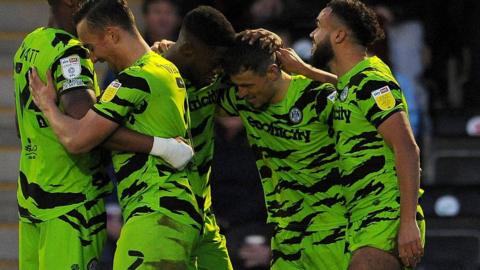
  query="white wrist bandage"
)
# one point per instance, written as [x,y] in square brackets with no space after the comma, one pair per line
[176,153]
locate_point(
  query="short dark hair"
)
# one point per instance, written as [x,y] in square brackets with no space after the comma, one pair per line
[244,56]
[102,13]
[210,26]
[52,3]
[147,3]
[359,18]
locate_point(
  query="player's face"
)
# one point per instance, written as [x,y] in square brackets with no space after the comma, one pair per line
[94,41]
[322,51]
[205,63]
[255,89]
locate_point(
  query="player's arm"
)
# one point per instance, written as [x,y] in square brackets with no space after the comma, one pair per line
[77,135]
[383,105]
[398,135]
[292,63]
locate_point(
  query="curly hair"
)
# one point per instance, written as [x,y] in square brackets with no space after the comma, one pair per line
[210,26]
[360,19]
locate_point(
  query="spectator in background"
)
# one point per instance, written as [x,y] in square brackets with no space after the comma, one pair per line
[162,20]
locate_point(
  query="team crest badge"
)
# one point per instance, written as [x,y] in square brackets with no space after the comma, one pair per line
[344,94]
[111,91]
[295,115]
[384,98]
[332,96]
[71,67]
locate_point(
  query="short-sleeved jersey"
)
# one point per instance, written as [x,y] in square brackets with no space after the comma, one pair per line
[368,95]
[295,155]
[202,106]
[149,97]
[51,181]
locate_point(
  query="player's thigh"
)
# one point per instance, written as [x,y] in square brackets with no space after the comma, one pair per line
[373,239]
[28,235]
[211,252]
[369,258]
[74,240]
[155,241]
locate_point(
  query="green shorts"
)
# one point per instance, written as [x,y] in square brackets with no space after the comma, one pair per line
[323,249]
[379,229]
[155,241]
[73,241]
[211,252]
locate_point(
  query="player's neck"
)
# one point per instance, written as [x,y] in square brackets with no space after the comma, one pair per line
[56,20]
[281,87]
[132,48]
[346,59]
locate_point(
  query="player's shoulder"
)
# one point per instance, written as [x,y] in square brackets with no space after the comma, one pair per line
[133,78]
[315,89]
[372,79]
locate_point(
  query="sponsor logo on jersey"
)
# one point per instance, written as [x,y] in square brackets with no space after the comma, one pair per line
[344,94]
[342,114]
[71,67]
[202,101]
[274,130]
[111,91]
[384,98]
[73,83]
[295,115]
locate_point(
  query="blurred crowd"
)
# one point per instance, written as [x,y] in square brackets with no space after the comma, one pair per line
[433,47]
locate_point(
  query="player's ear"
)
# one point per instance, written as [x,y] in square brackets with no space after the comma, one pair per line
[339,35]
[273,72]
[112,33]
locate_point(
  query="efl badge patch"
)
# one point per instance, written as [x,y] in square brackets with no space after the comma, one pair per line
[344,94]
[295,115]
[384,98]
[111,91]
[71,67]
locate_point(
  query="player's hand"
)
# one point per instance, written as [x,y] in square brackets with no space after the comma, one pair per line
[175,151]
[162,46]
[410,249]
[290,61]
[267,39]
[43,95]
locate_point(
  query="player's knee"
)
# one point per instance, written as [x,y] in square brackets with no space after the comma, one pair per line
[368,258]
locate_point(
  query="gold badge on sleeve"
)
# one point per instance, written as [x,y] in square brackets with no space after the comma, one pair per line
[111,91]
[384,98]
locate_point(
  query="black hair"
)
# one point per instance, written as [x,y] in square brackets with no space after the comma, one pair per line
[146,5]
[360,19]
[210,26]
[244,56]
[102,13]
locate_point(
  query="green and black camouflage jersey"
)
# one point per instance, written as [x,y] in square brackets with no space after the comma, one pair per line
[368,95]
[202,106]
[149,97]
[295,155]
[51,181]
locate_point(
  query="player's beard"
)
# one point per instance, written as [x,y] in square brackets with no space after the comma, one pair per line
[323,54]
